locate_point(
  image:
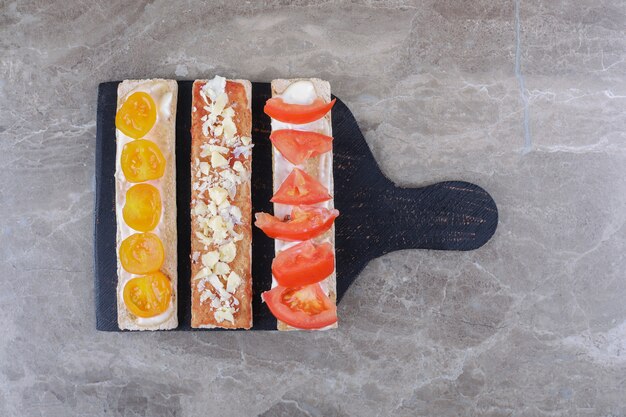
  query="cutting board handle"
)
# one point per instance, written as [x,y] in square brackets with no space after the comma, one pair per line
[378,217]
[451,215]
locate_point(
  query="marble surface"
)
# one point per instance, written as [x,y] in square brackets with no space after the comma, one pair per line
[525,98]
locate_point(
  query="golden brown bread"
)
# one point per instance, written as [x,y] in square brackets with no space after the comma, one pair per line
[213,305]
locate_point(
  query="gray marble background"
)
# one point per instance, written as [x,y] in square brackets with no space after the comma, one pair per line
[525,98]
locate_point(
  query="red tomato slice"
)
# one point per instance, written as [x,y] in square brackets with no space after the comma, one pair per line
[300,188]
[303,264]
[297,146]
[301,307]
[277,109]
[304,223]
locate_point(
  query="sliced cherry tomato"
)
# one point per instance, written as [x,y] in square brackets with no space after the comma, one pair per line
[277,109]
[303,264]
[304,223]
[301,307]
[142,160]
[297,146]
[300,188]
[148,295]
[137,115]
[142,209]
[141,253]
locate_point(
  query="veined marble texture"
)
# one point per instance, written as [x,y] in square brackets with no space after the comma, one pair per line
[526,98]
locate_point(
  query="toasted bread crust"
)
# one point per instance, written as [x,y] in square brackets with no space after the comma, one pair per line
[313,167]
[202,313]
[164,135]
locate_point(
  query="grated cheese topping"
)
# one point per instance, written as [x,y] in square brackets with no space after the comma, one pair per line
[215,182]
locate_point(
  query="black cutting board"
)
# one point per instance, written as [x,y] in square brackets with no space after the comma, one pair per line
[376,216]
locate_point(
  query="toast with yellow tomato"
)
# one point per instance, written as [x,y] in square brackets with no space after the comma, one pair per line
[145,201]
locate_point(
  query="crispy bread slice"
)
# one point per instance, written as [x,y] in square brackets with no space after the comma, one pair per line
[163,134]
[216,300]
[320,167]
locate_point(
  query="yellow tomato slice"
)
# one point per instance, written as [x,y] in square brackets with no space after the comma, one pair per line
[142,160]
[148,295]
[141,253]
[137,115]
[142,209]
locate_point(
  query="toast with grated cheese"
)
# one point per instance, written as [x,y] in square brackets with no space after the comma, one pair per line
[221,206]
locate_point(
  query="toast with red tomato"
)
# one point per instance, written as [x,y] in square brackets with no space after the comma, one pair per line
[221,235]
[303,294]
[145,200]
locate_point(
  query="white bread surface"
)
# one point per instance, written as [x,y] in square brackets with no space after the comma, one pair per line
[319,167]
